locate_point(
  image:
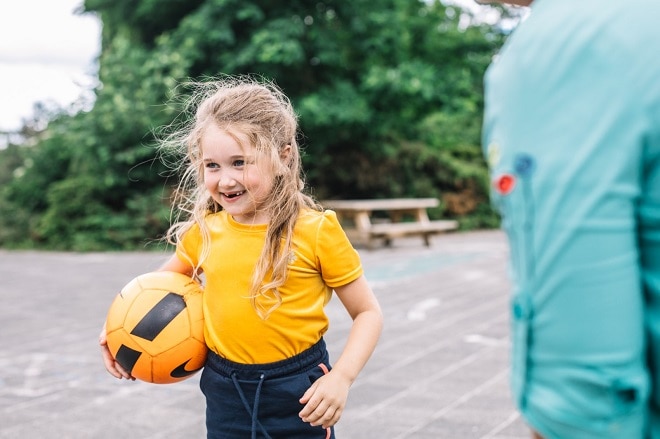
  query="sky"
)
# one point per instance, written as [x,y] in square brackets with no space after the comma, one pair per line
[47,53]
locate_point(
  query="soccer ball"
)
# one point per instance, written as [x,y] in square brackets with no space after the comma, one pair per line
[155,327]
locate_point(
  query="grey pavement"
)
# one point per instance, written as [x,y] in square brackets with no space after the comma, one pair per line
[439,371]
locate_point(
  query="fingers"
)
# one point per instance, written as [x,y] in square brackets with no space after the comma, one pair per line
[319,410]
[109,362]
[306,396]
[111,365]
[324,414]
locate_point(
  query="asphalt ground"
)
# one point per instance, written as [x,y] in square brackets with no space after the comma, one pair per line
[439,371]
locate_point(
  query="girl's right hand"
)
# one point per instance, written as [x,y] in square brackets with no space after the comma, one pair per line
[111,365]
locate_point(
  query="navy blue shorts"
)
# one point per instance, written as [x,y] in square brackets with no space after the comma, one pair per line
[261,400]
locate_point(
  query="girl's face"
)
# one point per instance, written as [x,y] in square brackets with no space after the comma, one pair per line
[232,177]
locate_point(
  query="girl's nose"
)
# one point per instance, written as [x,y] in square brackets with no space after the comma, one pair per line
[226,180]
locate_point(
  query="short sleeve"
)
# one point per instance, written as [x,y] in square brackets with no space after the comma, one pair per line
[339,262]
[188,248]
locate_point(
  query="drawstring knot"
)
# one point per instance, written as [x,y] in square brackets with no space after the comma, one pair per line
[254,410]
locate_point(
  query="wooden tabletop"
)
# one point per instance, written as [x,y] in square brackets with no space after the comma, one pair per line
[382,204]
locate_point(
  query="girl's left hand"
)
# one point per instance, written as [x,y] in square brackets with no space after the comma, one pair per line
[111,364]
[325,400]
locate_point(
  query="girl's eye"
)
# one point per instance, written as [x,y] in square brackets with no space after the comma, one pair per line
[211,165]
[238,163]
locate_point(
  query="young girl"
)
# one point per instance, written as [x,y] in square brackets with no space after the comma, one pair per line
[271,258]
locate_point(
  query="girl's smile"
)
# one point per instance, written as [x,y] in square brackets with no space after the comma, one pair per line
[231,197]
[232,175]
[234,195]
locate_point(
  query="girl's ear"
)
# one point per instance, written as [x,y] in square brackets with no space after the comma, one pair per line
[285,154]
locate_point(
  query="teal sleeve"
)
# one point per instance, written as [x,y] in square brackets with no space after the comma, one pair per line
[649,226]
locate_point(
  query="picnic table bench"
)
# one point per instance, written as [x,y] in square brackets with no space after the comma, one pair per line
[404,217]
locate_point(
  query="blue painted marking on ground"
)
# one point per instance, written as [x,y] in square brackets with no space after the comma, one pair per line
[414,266]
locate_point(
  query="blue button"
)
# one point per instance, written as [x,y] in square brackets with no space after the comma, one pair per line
[517,311]
[521,307]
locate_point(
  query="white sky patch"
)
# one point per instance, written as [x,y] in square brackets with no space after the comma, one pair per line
[487,14]
[47,54]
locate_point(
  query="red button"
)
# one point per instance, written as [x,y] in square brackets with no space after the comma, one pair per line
[505,184]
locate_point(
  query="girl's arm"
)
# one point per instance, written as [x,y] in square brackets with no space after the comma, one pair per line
[114,368]
[326,398]
[176,264]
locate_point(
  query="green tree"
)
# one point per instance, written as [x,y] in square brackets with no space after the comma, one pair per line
[389,94]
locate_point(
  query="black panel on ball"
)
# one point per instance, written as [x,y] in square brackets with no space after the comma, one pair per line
[159,316]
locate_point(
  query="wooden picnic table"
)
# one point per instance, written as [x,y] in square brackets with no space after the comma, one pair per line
[403,217]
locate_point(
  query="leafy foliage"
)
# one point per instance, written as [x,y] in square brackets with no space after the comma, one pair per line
[389,94]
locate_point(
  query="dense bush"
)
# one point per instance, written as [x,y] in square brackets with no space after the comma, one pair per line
[389,94]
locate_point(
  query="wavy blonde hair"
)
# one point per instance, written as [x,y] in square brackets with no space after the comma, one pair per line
[244,107]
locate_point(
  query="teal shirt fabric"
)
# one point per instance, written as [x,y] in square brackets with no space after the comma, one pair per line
[572,137]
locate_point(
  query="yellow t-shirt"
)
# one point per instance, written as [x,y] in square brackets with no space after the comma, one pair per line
[322,259]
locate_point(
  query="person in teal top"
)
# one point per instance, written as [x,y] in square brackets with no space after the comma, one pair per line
[572,138]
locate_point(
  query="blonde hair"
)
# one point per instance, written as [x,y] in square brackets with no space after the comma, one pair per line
[259,111]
